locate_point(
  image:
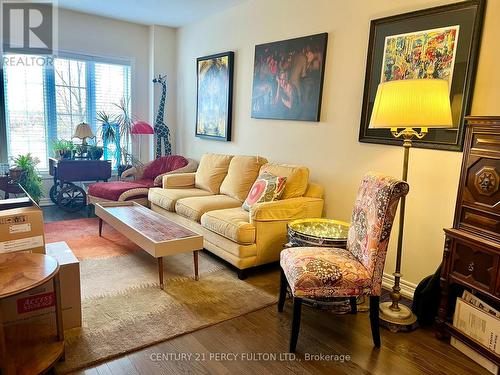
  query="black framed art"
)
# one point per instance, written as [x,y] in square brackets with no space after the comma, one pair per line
[441,42]
[214,93]
[288,78]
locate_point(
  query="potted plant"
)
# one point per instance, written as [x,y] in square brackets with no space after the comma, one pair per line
[95,152]
[108,130]
[63,148]
[125,123]
[28,176]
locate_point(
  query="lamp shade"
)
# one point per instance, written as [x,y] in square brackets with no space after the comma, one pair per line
[142,127]
[412,103]
[83,131]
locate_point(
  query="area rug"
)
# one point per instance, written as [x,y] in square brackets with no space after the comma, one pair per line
[122,305]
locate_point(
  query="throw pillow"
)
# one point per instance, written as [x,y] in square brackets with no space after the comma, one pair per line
[266,188]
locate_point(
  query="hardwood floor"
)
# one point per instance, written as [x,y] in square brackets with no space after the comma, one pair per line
[257,343]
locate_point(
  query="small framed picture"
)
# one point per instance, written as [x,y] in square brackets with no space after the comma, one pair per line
[214,96]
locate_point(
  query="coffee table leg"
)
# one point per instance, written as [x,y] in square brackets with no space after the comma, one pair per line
[195,259]
[160,271]
[100,227]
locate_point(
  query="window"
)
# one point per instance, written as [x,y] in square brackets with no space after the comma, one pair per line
[46,102]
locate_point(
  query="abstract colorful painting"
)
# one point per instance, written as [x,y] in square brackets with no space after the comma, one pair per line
[214,96]
[288,78]
[421,54]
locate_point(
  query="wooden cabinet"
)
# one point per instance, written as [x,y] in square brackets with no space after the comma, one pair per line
[471,256]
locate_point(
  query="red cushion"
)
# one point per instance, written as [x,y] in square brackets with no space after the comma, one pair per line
[113,190]
[163,165]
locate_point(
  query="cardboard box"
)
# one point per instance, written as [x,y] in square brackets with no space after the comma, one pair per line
[37,306]
[69,276]
[21,229]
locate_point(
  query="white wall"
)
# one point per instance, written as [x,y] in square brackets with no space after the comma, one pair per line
[163,60]
[330,148]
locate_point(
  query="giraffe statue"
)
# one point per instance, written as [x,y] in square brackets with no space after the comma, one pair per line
[161,129]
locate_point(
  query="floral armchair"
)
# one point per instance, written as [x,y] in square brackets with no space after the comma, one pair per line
[319,273]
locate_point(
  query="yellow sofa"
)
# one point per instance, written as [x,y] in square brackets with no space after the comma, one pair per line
[209,203]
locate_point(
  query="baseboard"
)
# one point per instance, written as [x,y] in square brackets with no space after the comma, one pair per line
[407,288]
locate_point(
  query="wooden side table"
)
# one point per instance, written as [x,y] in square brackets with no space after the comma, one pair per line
[25,348]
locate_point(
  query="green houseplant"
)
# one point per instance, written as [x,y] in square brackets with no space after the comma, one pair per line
[63,148]
[119,135]
[27,175]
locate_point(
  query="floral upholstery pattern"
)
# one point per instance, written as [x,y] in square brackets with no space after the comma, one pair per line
[362,264]
[318,272]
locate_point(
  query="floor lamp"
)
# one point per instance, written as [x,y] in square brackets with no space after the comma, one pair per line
[403,106]
[139,129]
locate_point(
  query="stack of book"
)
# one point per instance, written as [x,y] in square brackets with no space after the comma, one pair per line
[480,321]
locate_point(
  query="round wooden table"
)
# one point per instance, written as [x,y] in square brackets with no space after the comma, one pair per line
[29,348]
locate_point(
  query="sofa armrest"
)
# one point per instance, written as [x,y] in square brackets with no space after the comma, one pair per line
[192,166]
[178,181]
[134,172]
[287,209]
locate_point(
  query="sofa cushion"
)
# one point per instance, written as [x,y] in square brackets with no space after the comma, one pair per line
[113,189]
[297,178]
[211,172]
[193,208]
[267,188]
[166,198]
[232,223]
[163,165]
[242,172]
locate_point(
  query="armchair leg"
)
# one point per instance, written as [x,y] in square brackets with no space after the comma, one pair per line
[283,285]
[354,305]
[297,310]
[374,320]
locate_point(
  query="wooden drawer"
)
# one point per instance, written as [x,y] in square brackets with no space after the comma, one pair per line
[485,140]
[474,266]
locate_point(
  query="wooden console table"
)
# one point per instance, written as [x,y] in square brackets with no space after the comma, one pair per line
[25,348]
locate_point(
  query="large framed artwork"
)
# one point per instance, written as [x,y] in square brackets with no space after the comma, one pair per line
[288,78]
[441,42]
[214,96]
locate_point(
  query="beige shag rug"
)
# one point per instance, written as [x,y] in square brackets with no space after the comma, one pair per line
[124,309]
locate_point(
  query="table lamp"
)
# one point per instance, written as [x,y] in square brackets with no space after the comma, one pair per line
[83,131]
[403,106]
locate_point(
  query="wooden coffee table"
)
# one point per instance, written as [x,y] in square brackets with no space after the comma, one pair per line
[152,232]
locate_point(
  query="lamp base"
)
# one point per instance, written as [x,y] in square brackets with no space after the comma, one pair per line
[396,321]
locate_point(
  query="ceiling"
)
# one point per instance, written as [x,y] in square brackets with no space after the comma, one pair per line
[173,13]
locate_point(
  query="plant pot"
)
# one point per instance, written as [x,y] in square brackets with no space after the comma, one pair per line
[15,173]
[96,154]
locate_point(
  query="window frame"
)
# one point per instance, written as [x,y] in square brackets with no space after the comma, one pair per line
[50,95]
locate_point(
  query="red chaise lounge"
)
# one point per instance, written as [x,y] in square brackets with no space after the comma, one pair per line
[136,181]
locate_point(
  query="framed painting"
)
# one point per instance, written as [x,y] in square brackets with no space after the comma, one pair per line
[442,43]
[214,95]
[288,78]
